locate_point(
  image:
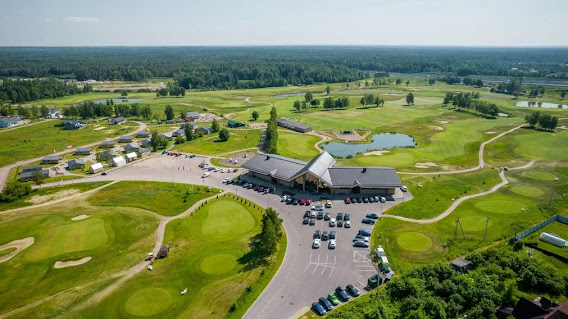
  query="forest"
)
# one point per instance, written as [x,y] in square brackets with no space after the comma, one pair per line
[253,67]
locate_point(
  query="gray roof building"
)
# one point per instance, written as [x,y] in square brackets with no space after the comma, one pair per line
[73,124]
[118,120]
[28,176]
[143,134]
[298,127]
[191,116]
[205,129]
[51,159]
[107,144]
[10,121]
[125,139]
[145,143]
[83,150]
[76,164]
[275,165]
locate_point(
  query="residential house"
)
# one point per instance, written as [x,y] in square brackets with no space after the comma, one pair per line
[108,155]
[10,121]
[83,151]
[29,176]
[460,264]
[125,139]
[117,120]
[193,125]
[131,157]
[143,152]
[163,252]
[95,168]
[235,124]
[178,132]
[32,168]
[51,159]
[73,125]
[118,161]
[145,143]
[132,147]
[107,144]
[206,130]
[76,164]
[168,137]
[191,116]
[54,114]
[539,308]
[143,134]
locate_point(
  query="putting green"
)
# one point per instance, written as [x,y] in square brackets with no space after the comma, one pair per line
[500,206]
[414,241]
[148,302]
[76,236]
[527,191]
[540,175]
[473,223]
[218,264]
[226,219]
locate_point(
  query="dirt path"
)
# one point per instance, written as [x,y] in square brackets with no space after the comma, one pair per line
[460,200]
[25,125]
[5,171]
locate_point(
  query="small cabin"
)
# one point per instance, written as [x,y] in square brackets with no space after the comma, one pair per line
[163,252]
[461,265]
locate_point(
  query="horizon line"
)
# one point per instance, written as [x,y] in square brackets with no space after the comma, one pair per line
[299,45]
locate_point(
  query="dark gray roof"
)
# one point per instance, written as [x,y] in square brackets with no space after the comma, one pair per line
[131,145]
[143,150]
[205,127]
[83,149]
[118,119]
[107,143]
[125,137]
[277,166]
[44,172]
[192,114]
[32,167]
[460,262]
[76,161]
[364,177]
[10,120]
[285,122]
[51,158]
[319,167]
[143,133]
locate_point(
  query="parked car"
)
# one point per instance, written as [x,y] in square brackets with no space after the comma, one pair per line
[313,214]
[347,200]
[361,238]
[331,244]
[261,189]
[316,244]
[327,216]
[325,235]
[318,308]
[225,180]
[326,304]
[347,217]
[404,188]
[353,290]
[328,204]
[317,234]
[320,215]
[339,223]
[342,293]
[317,207]
[383,200]
[376,198]
[267,190]
[308,202]
[295,202]
[332,222]
[205,175]
[368,221]
[372,215]
[332,234]
[359,199]
[364,232]
[312,221]
[104,173]
[302,201]
[192,156]
[340,216]
[365,200]
[307,214]
[371,199]
[306,221]
[361,244]
[347,224]
[333,299]
[289,200]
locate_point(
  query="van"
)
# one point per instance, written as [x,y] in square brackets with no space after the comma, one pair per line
[205,175]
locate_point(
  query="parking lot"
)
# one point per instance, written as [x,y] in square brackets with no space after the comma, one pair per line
[306,274]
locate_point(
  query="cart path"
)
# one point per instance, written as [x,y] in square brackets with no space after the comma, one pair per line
[25,125]
[5,171]
[460,200]
[480,156]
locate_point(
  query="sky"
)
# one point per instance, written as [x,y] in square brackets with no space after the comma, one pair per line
[291,22]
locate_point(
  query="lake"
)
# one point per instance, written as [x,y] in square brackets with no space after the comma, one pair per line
[119,100]
[541,104]
[378,142]
[289,94]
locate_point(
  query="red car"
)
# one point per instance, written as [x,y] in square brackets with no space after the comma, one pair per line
[347,200]
[302,201]
[261,189]
[308,202]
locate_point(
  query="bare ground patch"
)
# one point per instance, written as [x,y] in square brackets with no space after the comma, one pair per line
[437,128]
[563,127]
[63,264]
[99,128]
[425,165]
[376,153]
[491,132]
[19,244]
[80,217]
[443,122]
[108,132]
[38,199]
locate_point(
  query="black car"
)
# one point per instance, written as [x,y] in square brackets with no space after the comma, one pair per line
[327,216]
[289,201]
[312,221]
[192,156]
[361,244]
[340,216]
[371,199]
[341,293]
[368,221]
[359,200]
[318,308]
[306,221]
[104,173]
[307,214]
[364,232]
[320,215]
[347,217]
[332,234]
[365,200]
[317,234]
[339,223]
[373,216]
[295,201]
[325,235]
[326,304]
[353,290]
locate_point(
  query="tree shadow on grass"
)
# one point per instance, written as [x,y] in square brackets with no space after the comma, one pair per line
[255,257]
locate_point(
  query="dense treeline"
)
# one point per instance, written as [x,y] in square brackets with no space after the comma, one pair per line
[22,91]
[251,67]
[545,121]
[89,110]
[471,101]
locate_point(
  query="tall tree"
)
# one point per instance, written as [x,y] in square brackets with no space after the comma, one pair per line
[410,98]
[328,88]
[155,142]
[35,112]
[44,111]
[308,97]
[146,112]
[169,111]
[224,134]
[297,106]
[215,126]
[255,115]
[188,130]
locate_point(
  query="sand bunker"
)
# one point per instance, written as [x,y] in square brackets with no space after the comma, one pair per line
[80,217]
[437,128]
[20,245]
[108,131]
[376,153]
[563,127]
[100,128]
[63,264]
[490,132]
[425,165]
[38,199]
[443,122]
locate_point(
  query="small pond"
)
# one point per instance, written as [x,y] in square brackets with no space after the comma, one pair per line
[378,142]
[118,100]
[289,94]
[541,104]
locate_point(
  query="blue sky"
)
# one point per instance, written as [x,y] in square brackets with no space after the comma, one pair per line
[269,22]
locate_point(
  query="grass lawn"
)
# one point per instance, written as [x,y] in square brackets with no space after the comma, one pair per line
[543,145]
[558,229]
[50,193]
[295,145]
[211,145]
[210,256]
[41,139]
[162,198]
[115,237]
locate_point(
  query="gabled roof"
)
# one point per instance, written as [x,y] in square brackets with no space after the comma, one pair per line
[192,114]
[118,159]
[97,166]
[319,167]
[10,120]
[44,172]
[32,167]
[275,165]
[51,158]
[345,176]
[107,143]
[287,123]
[76,161]
[131,155]
[83,149]
[131,145]
[125,137]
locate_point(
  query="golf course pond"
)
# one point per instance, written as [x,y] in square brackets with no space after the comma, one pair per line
[541,104]
[378,142]
[118,100]
[289,94]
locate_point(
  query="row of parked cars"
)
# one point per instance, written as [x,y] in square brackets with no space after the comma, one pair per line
[369,199]
[340,220]
[320,236]
[323,305]
[362,238]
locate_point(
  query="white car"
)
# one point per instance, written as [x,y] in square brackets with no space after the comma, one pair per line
[225,180]
[206,166]
[347,224]
[328,204]
[217,169]
[332,222]
[205,175]
[382,199]
[313,214]
[404,188]
[224,170]
[316,243]
[317,207]
[331,244]
[284,198]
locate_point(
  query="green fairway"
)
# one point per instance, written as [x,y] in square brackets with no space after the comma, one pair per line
[543,145]
[295,145]
[414,241]
[162,198]
[43,138]
[211,145]
[500,206]
[527,191]
[210,256]
[540,175]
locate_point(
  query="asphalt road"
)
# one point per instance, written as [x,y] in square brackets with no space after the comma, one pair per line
[306,274]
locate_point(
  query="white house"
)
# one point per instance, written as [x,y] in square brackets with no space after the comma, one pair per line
[95,168]
[118,161]
[131,157]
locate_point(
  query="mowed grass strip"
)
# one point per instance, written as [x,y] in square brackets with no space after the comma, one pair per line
[211,145]
[295,145]
[162,198]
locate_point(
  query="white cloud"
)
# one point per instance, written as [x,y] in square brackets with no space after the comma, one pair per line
[82,19]
[49,20]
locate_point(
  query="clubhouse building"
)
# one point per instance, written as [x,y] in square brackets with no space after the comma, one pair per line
[321,175]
